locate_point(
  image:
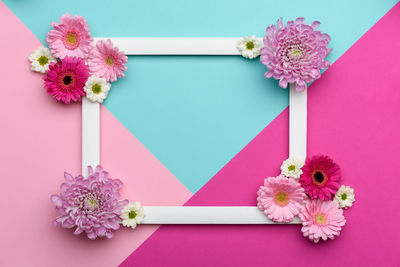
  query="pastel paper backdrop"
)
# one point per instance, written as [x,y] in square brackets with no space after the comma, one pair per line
[191,116]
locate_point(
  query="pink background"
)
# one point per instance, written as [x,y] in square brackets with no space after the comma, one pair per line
[353,117]
[38,140]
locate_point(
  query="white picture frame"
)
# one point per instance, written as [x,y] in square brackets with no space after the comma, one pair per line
[189,214]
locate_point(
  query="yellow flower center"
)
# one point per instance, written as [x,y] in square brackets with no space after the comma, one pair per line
[250,45]
[132,214]
[281,199]
[292,167]
[320,218]
[96,88]
[109,61]
[295,52]
[43,60]
[71,38]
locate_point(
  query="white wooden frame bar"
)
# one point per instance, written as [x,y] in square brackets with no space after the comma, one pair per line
[206,215]
[176,45]
[190,214]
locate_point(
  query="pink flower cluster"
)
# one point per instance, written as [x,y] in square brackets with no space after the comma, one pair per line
[295,53]
[71,42]
[282,198]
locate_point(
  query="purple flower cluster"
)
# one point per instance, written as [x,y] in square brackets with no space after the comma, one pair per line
[91,204]
[295,53]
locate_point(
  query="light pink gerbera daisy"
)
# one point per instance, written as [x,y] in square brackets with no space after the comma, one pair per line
[65,79]
[70,37]
[295,53]
[280,198]
[106,61]
[321,177]
[321,220]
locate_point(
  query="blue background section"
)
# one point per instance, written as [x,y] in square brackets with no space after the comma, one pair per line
[195,113]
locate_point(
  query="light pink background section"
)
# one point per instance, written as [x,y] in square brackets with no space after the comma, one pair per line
[354,112]
[39,140]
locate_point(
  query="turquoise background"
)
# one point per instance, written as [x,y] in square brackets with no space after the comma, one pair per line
[195,113]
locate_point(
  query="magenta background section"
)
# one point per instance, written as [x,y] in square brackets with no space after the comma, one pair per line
[353,117]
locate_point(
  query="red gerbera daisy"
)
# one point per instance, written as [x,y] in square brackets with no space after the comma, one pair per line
[321,177]
[65,79]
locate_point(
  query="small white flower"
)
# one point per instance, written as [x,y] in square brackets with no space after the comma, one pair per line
[345,197]
[40,59]
[292,168]
[132,214]
[249,46]
[96,89]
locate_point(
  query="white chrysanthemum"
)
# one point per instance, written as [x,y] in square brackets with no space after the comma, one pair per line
[97,89]
[40,59]
[292,168]
[132,214]
[249,46]
[345,196]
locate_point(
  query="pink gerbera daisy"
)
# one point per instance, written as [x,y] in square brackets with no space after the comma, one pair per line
[321,177]
[65,79]
[106,61]
[321,220]
[70,37]
[280,198]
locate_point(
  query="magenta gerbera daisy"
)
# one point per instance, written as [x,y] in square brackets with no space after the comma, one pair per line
[321,177]
[65,79]
[321,220]
[280,198]
[106,61]
[295,53]
[91,204]
[70,37]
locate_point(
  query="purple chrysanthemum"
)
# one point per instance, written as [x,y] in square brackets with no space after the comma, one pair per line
[295,53]
[92,205]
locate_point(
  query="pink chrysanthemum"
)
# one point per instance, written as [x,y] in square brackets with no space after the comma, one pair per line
[321,220]
[295,53]
[65,79]
[321,177]
[70,37]
[106,61]
[280,198]
[92,205]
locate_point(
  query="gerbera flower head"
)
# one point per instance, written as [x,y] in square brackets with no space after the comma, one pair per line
[132,214]
[106,61]
[345,197]
[321,177]
[295,53]
[71,37]
[280,198]
[292,168]
[97,89]
[321,220]
[249,46]
[40,59]
[92,205]
[65,79]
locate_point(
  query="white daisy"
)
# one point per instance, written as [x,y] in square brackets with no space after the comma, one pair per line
[292,168]
[345,197]
[249,46]
[40,59]
[96,89]
[132,214]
